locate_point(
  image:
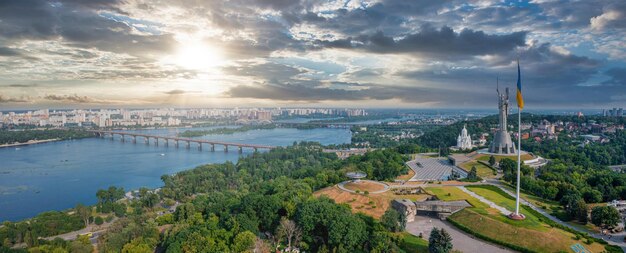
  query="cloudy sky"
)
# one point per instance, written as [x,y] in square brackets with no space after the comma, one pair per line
[386,53]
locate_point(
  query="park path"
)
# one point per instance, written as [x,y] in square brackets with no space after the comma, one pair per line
[486,201]
[617,240]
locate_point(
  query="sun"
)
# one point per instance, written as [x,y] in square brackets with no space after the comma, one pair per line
[198,56]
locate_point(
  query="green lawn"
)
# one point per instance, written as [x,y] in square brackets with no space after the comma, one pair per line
[451,193]
[548,205]
[482,170]
[530,233]
[496,195]
[545,240]
[411,243]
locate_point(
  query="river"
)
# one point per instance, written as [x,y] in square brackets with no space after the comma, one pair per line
[58,175]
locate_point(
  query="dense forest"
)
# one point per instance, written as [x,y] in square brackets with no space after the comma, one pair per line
[569,150]
[27,135]
[262,202]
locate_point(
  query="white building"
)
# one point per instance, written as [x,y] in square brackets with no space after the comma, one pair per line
[464,141]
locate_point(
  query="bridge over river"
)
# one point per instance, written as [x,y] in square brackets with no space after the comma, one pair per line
[176,140]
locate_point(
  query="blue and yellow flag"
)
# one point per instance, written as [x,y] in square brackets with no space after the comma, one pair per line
[520,100]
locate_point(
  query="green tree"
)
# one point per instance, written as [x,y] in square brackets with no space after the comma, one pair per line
[137,246]
[393,220]
[472,176]
[492,160]
[440,241]
[78,246]
[98,220]
[84,212]
[244,242]
[184,212]
[605,216]
[574,206]
[581,211]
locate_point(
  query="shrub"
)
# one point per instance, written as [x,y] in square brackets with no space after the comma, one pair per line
[98,220]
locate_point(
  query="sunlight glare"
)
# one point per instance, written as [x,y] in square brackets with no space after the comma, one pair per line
[198,56]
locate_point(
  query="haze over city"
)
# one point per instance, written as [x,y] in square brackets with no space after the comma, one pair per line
[416,54]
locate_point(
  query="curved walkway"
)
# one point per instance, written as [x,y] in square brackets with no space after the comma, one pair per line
[342,187]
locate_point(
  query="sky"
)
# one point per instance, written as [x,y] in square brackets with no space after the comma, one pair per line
[282,53]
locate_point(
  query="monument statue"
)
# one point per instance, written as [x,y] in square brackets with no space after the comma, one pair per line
[502,143]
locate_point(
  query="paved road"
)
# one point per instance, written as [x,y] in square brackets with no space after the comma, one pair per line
[615,240]
[461,240]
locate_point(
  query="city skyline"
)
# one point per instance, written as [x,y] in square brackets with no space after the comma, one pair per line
[272,53]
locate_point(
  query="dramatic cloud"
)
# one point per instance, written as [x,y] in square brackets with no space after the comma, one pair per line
[614,16]
[71,98]
[618,77]
[4,99]
[424,52]
[432,41]
[5,51]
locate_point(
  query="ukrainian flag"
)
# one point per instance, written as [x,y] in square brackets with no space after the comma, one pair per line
[520,100]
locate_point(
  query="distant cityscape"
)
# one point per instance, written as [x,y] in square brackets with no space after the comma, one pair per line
[615,112]
[157,117]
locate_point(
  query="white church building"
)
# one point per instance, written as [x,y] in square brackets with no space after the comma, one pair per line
[464,141]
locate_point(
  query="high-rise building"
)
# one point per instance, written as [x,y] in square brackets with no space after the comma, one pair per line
[263,115]
[125,115]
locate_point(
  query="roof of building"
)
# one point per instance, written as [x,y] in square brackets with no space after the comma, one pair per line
[405,202]
[433,169]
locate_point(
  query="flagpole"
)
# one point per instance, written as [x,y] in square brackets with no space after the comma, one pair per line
[519,152]
[520,104]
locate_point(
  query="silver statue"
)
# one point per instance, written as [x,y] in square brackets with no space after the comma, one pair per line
[502,143]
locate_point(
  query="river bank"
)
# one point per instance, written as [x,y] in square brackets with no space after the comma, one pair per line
[58,175]
[27,143]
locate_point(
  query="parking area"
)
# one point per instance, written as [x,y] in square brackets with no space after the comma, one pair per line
[462,241]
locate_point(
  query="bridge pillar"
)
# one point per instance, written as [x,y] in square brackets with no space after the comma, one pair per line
[167,142]
[156,141]
[188,145]
[225,148]
[122,137]
[240,149]
[134,138]
[200,146]
[146,140]
[176,143]
[212,147]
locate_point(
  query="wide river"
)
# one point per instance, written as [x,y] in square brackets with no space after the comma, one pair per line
[58,175]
